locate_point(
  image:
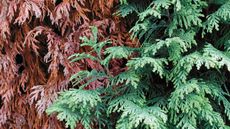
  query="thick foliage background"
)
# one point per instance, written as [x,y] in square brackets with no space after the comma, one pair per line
[176,76]
[37,37]
[177,79]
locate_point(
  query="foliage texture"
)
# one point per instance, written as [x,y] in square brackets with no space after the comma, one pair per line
[177,79]
[36,39]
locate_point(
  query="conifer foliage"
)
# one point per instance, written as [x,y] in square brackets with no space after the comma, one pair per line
[177,79]
[36,39]
[124,64]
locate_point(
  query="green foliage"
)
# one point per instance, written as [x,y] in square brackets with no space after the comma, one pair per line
[214,19]
[80,107]
[179,78]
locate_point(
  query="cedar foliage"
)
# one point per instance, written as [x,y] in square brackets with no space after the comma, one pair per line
[36,39]
[177,79]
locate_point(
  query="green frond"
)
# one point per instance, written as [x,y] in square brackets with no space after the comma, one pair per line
[219,16]
[128,77]
[221,58]
[75,106]
[117,53]
[155,64]
[136,114]
[189,99]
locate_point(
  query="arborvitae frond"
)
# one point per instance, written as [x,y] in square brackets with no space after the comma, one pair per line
[190,99]
[156,64]
[221,58]
[127,9]
[118,103]
[75,106]
[127,77]
[219,16]
[188,15]
[224,41]
[184,66]
[136,114]
[176,46]
[117,52]
[213,89]
[210,58]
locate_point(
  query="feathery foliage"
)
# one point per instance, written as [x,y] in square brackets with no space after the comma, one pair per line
[36,39]
[177,79]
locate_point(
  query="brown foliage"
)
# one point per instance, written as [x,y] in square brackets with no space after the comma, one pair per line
[36,38]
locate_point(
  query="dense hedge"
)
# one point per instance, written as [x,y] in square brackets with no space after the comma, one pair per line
[37,37]
[128,64]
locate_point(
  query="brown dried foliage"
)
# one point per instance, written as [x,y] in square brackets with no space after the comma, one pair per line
[36,38]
